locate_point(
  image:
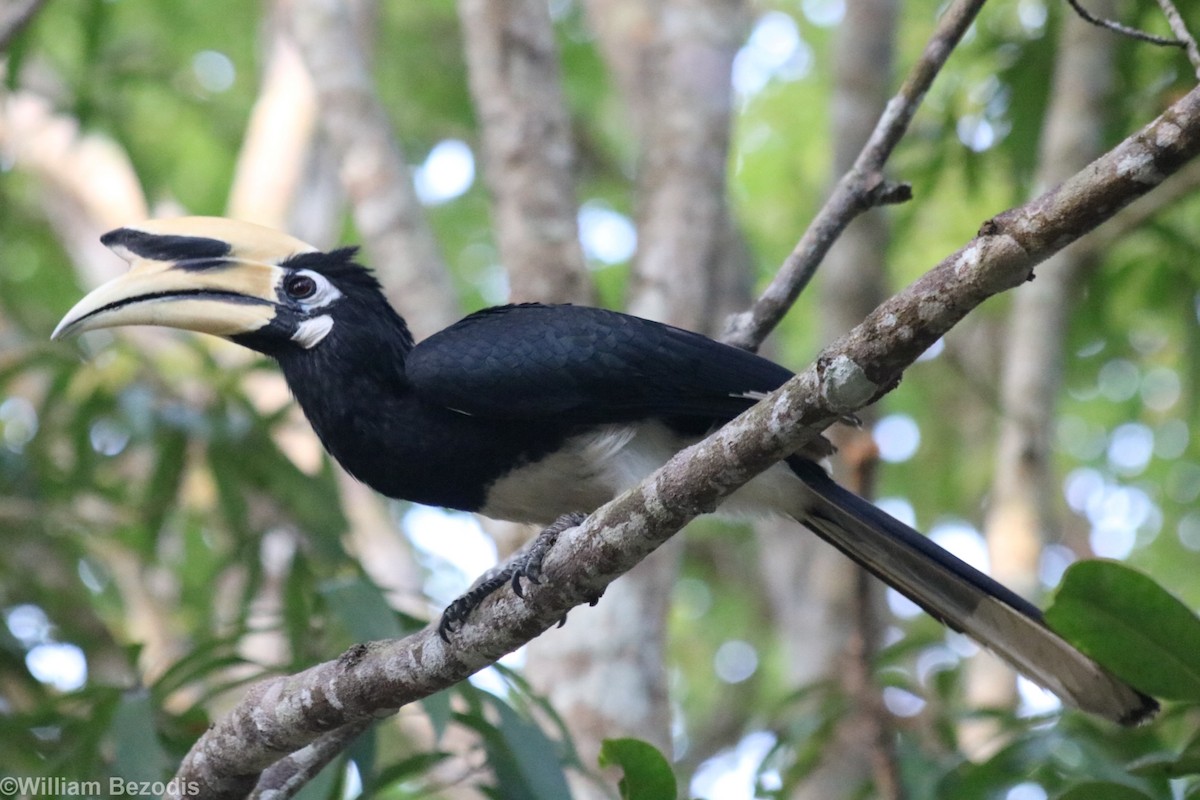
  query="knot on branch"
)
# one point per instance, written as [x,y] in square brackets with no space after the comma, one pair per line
[844,384]
[890,193]
[870,189]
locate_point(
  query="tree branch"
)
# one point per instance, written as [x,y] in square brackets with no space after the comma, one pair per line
[373,680]
[1121,29]
[861,188]
[1182,184]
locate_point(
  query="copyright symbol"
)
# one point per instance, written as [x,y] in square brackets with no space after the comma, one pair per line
[8,786]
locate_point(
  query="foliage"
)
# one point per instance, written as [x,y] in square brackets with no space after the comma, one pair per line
[647,773]
[1104,608]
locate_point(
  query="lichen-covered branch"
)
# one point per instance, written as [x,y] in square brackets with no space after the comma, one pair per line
[373,680]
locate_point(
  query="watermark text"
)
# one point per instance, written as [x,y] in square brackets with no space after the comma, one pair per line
[54,786]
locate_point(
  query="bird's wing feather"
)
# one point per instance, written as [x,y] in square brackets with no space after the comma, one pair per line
[584,365]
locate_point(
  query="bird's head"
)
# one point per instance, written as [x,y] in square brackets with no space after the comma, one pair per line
[256,286]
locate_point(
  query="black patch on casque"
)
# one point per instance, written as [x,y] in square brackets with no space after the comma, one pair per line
[197,252]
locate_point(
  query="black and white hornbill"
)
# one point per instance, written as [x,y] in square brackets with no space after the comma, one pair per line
[531,412]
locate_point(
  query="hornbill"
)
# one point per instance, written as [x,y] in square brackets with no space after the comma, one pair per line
[531,412]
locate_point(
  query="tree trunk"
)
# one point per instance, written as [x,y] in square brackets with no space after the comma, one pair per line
[374,172]
[529,157]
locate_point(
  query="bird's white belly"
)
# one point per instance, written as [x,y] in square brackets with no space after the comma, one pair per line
[591,469]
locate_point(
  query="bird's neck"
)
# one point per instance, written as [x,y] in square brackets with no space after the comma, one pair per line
[343,381]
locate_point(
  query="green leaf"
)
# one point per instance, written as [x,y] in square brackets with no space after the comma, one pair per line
[1167,765]
[326,783]
[535,754]
[437,708]
[524,761]
[408,769]
[537,706]
[206,659]
[162,489]
[363,753]
[1097,790]
[139,754]
[1130,624]
[361,607]
[648,774]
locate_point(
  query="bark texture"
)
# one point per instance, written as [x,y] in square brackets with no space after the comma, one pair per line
[683,217]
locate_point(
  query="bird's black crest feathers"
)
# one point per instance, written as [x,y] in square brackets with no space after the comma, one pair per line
[337,265]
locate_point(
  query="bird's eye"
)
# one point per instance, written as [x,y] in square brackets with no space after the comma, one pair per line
[300,286]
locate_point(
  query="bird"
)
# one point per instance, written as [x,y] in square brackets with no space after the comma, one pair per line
[532,412]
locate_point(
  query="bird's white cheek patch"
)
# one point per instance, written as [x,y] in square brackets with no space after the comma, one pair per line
[310,332]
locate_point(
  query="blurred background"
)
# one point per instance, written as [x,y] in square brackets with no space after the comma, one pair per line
[171,529]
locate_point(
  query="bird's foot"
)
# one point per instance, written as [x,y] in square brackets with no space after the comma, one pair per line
[525,563]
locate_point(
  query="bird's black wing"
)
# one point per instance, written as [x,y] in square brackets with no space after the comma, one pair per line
[580,364]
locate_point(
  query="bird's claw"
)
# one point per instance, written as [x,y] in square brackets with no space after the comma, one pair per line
[527,564]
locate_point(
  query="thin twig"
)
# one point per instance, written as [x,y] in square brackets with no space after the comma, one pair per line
[1180,29]
[861,188]
[1122,29]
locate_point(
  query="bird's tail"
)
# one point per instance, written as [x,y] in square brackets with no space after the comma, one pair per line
[964,598]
